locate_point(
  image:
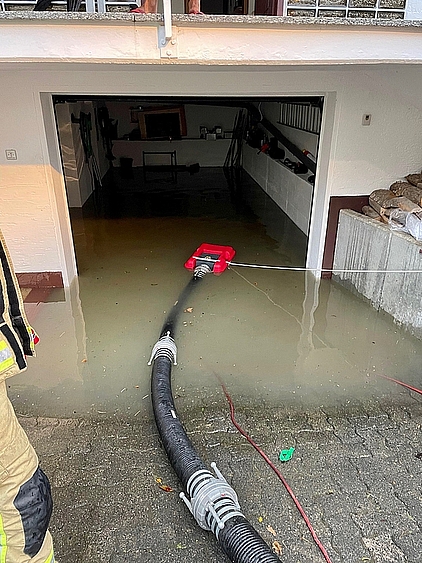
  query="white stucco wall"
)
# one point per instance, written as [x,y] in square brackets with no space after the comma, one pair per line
[27,216]
[126,39]
[353,159]
[413,10]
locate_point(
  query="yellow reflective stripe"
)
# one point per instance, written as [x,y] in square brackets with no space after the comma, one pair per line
[50,558]
[6,360]
[3,544]
[31,338]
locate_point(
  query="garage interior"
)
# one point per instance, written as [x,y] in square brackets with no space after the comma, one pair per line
[200,157]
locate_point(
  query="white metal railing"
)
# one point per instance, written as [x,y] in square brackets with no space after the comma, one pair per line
[301,115]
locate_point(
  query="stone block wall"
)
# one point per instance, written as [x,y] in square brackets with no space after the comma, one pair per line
[367,245]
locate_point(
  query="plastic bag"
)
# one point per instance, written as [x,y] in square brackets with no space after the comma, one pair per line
[406,222]
[414,225]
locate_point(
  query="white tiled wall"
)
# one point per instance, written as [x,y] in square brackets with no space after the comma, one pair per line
[292,193]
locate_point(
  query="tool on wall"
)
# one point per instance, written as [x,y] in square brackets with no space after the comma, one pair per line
[108,129]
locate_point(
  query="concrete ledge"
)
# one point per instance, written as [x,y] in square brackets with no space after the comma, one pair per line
[124,38]
[272,21]
[365,244]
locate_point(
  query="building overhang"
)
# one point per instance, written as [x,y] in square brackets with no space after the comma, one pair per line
[134,39]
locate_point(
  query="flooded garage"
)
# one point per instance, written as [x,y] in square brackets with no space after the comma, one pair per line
[310,369]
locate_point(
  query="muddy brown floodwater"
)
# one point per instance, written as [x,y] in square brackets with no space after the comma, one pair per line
[272,336]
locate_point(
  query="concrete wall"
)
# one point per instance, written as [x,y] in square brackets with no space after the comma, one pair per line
[365,244]
[353,159]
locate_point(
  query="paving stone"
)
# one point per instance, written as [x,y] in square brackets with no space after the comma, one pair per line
[355,471]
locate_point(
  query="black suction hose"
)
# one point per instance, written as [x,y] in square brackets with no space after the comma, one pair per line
[179,448]
[213,503]
[173,316]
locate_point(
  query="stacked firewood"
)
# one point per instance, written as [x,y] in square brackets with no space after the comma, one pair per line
[394,205]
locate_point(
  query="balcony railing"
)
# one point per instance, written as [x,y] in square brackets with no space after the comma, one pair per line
[385,9]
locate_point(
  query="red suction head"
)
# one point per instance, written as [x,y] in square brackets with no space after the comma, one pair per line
[213,255]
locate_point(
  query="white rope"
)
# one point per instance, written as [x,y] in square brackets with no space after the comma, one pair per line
[301,269]
[331,270]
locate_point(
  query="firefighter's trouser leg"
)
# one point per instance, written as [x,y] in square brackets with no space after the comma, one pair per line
[25,499]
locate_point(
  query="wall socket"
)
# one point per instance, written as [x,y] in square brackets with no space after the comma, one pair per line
[11,154]
[366,119]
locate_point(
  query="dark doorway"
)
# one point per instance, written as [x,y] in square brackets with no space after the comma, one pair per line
[266,7]
[224,7]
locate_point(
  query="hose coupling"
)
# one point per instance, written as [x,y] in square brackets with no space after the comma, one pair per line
[202,270]
[165,347]
[212,500]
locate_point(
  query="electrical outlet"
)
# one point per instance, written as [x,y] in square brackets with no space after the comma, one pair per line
[366,119]
[11,154]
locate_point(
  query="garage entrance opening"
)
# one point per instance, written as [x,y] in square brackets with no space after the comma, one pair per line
[192,157]
[275,337]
